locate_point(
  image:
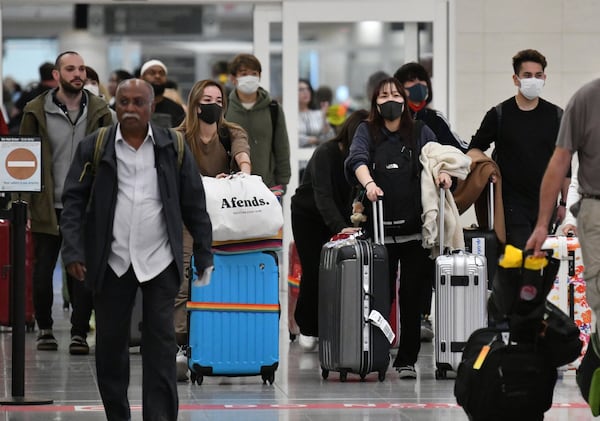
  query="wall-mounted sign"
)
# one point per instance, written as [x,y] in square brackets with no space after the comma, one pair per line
[177,19]
[20,164]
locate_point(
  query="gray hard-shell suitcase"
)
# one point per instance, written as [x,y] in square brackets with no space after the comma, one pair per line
[460,302]
[354,297]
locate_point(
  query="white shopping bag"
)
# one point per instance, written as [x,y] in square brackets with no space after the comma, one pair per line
[241,207]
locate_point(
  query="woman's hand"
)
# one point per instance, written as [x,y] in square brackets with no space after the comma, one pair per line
[444,180]
[350,230]
[373,191]
[222,175]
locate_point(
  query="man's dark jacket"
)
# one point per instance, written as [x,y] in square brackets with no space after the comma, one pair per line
[87,222]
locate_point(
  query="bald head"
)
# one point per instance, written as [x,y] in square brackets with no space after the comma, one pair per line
[128,83]
[134,106]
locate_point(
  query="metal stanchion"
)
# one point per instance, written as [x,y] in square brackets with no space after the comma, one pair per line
[18,219]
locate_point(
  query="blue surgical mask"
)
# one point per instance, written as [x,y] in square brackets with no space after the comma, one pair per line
[417,93]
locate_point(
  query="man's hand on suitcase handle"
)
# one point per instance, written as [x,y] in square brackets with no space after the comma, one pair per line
[77,270]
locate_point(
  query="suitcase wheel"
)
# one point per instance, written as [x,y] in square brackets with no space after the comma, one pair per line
[270,377]
[381,375]
[362,377]
[30,326]
[324,373]
[440,374]
[195,378]
[292,337]
[343,376]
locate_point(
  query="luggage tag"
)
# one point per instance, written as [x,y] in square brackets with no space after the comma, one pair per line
[378,320]
[486,349]
[204,280]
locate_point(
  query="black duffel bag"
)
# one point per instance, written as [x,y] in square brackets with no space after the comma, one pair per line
[559,336]
[502,380]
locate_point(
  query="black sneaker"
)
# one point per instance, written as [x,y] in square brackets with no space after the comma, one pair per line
[46,341]
[78,346]
[426,329]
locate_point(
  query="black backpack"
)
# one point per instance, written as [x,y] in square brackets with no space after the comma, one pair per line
[502,380]
[396,170]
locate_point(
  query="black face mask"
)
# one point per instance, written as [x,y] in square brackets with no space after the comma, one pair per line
[391,110]
[158,89]
[210,113]
[417,93]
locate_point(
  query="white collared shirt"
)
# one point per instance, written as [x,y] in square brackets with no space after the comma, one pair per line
[140,234]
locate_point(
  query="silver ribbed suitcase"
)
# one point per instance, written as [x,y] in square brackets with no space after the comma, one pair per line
[460,302]
[353,281]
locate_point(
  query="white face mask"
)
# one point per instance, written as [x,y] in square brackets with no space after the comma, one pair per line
[93,89]
[531,87]
[248,84]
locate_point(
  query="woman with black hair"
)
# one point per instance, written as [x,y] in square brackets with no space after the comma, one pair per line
[384,159]
[321,207]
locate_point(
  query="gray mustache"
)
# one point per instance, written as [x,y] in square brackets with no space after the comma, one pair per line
[131,115]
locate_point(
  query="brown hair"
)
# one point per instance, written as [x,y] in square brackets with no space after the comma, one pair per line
[244,60]
[528,55]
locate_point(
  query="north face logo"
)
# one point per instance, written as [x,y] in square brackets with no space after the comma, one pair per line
[234,202]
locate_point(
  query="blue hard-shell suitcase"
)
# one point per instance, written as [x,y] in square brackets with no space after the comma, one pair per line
[234,320]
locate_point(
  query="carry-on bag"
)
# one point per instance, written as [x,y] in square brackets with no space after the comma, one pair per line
[354,301]
[483,241]
[460,301]
[568,290]
[6,271]
[500,379]
[234,318]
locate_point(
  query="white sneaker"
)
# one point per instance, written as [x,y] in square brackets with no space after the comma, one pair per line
[308,343]
[182,364]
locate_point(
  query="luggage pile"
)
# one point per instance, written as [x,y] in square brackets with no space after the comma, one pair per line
[234,313]
[508,370]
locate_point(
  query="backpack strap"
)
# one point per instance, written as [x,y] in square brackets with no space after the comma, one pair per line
[179,146]
[225,139]
[274,109]
[98,148]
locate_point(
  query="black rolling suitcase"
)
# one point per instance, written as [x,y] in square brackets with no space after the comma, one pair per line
[354,299]
[483,241]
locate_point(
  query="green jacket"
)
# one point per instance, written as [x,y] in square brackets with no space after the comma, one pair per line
[270,155]
[41,205]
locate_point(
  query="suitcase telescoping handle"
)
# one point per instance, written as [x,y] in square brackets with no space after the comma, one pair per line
[491,206]
[441,216]
[378,220]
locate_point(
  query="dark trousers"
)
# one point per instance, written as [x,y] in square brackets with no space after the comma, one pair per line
[46,250]
[426,309]
[309,234]
[114,304]
[414,284]
[520,221]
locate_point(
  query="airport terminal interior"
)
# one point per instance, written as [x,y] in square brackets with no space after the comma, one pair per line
[66,385]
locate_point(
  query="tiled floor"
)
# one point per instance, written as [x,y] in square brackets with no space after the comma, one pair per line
[299,392]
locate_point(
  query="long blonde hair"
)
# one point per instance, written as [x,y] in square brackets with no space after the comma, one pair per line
[191,124]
